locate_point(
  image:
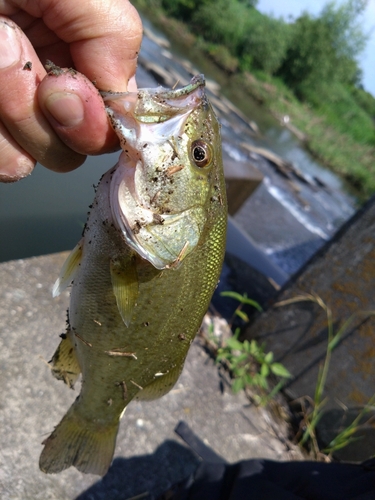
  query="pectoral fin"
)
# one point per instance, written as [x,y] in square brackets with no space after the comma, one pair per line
[125,286]
[162,384]
[68,270]
[64,363]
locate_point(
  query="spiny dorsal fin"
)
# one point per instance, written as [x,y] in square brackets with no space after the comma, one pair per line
[64,363]
[125,286]
[68,270]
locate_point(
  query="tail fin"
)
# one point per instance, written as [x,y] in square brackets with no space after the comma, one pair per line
[73,443]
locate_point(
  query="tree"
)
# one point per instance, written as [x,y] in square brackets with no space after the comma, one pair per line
[265,42]
[325,48]
[183,9]
[222,22]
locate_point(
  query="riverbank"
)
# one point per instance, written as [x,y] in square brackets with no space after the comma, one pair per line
[339,152]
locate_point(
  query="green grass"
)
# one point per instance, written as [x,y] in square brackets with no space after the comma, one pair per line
[314,414]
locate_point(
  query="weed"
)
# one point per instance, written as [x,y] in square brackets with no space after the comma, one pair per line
[313,414]
[251,366]
[347,436]
[248,362]
[243,300]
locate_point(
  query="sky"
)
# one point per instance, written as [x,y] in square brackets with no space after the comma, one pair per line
[285,8]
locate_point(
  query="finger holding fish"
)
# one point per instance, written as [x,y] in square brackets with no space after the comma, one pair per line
[58,123]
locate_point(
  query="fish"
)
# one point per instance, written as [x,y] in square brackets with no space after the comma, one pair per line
[144,272]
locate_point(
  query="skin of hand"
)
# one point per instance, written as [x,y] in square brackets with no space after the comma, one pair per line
[58,118]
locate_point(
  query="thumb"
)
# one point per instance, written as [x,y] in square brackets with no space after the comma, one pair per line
[104,36]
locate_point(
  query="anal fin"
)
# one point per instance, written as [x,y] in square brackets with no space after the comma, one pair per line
[64,363]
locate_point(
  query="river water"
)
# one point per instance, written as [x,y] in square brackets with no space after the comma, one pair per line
[288,218]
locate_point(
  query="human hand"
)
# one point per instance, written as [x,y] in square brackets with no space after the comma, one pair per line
[58,119]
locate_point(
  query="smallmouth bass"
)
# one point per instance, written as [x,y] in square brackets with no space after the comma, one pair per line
[145,270]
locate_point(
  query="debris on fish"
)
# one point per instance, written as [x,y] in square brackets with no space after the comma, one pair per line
[145,270]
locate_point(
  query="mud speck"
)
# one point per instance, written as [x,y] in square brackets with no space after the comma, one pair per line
[53,69]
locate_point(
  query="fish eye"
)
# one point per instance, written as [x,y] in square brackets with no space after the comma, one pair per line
[201,153]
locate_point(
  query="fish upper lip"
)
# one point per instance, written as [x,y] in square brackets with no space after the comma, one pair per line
[124,109]
[196,82]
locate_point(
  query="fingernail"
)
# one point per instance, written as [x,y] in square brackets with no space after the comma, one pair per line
[66,108]
[132,85]
[19,169]
[10,46]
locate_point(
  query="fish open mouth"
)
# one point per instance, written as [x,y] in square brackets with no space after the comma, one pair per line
[152,117]
[152,105]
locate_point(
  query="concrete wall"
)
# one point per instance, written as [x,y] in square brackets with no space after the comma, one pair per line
[343,275]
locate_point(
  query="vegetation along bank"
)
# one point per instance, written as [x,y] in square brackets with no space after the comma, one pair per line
[306,69]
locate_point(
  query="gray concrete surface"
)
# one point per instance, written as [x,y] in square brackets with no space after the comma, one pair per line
[342,275]
[149,457]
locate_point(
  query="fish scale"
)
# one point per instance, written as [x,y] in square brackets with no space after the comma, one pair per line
[139,294]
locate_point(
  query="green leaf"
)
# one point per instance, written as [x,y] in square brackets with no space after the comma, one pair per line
[237,333]
[241,371]
[246,346]
[234,344]
[264,370]
[233,295]
[263,383]
[248,379]
[253,303]
[268,358]
[260,381]
[280,370]
[243,299]
[242,315]
[238,385]
[254,347]
[241,358]
[221,356]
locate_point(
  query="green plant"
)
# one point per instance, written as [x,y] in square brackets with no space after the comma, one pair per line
[248,362]
[347,435]
[250,365]
[243,300]
[313,415]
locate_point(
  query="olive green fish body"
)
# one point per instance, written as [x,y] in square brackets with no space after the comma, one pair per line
[144,272]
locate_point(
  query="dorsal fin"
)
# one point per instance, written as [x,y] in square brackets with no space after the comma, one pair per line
[125,286]
[68,270]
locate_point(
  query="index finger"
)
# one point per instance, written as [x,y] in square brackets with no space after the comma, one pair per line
[104,36]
